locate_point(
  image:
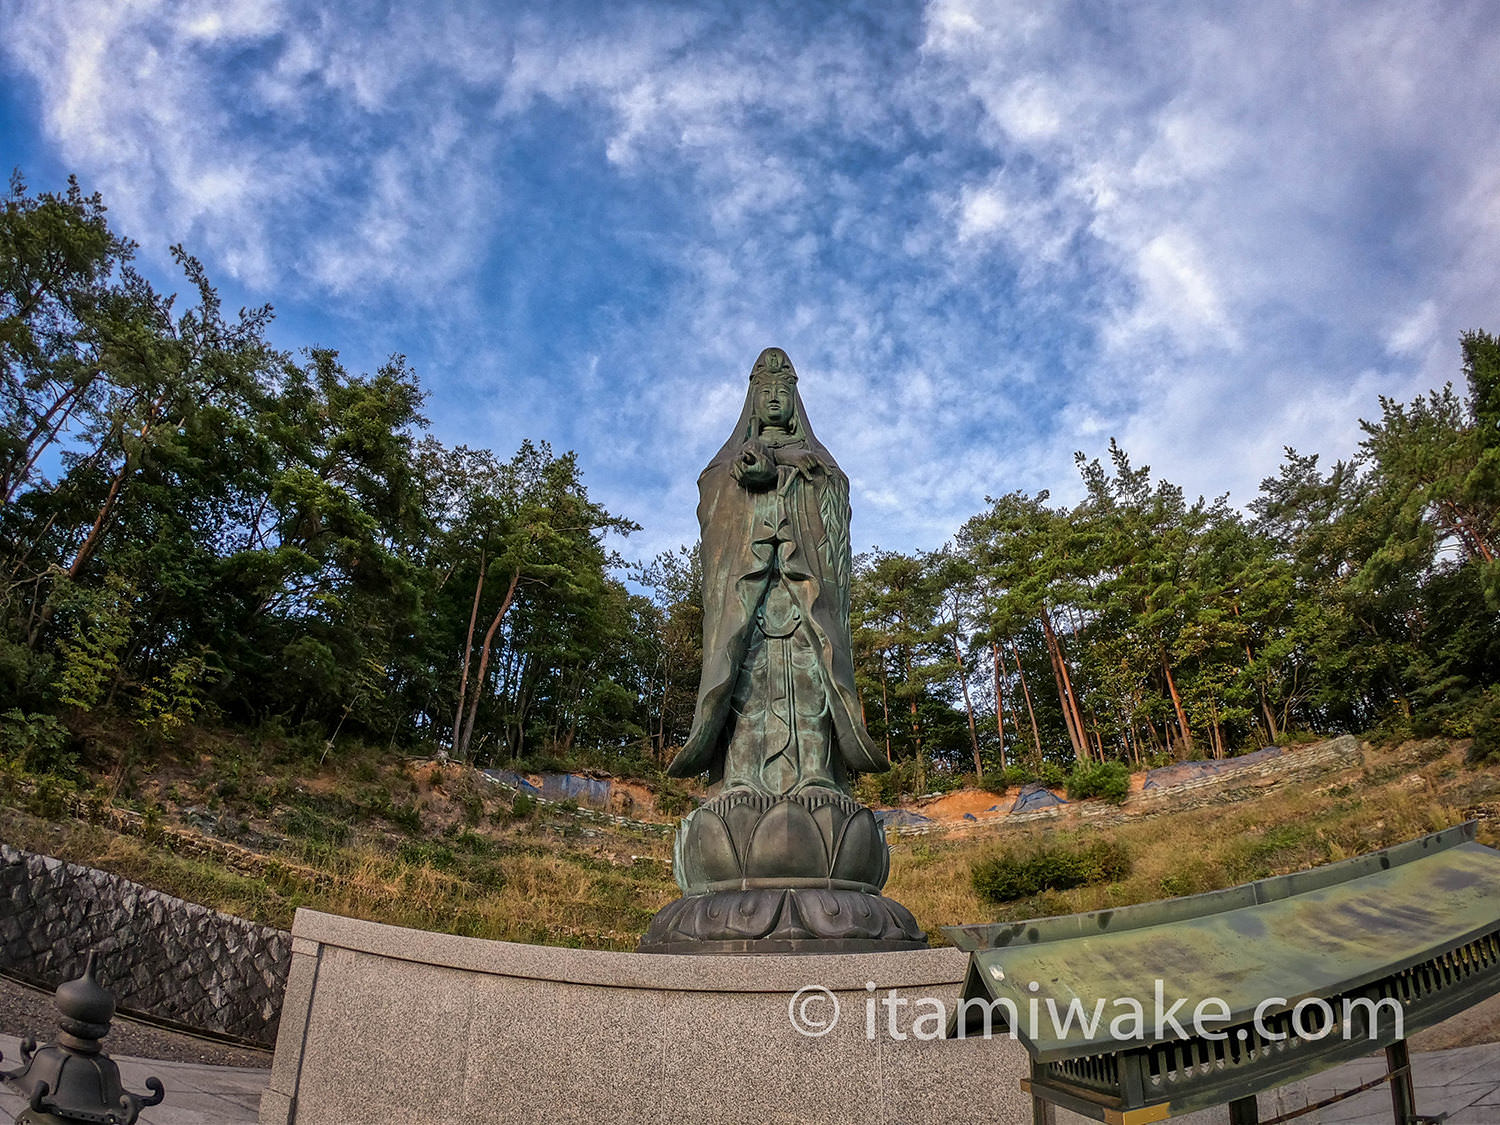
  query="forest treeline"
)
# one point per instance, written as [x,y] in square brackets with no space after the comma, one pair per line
[200,527]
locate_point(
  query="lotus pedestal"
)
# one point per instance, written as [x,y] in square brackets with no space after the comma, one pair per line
[800,873]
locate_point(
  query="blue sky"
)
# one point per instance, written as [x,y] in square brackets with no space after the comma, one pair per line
[988,234]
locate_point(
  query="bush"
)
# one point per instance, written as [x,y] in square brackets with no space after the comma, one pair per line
[1051,775]
[1485,749]
[1109,780]
[1014,875]
[673,800]
[38,743]
[998,781]
[522,806]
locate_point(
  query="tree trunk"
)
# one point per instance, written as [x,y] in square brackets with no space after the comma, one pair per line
[885,706]
[1260,690]
[484,663]
[661,723]
[1062,662]
[42,435]
[1036,734]
[999,702]
[463,680]
[916,723]
[963,682]
[1059,674]
[1182,723]
[91,543]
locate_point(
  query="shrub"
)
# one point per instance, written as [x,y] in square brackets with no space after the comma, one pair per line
[998,781]
[1109,780]
[37,743]
[1014,875]
[523,806]
[1485,749]
[673,801]
[1051,775]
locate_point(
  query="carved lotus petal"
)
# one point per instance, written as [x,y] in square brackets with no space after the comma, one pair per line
[830,819]
[708,852]
[786,844]
[741,819]
[862,854]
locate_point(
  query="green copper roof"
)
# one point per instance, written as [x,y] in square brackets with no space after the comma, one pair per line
[1320,932]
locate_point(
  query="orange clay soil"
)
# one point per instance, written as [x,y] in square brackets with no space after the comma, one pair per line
[952,806]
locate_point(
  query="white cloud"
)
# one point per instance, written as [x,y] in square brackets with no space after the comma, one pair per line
[989,237]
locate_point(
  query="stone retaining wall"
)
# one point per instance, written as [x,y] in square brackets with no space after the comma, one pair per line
[1231,785]
[159,955]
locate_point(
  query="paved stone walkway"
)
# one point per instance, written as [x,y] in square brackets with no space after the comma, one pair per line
[196,1095]
[1463,1082]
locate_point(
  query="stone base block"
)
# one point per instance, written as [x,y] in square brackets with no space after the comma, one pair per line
[388,1024]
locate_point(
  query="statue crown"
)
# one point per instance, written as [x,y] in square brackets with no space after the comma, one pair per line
[773,363]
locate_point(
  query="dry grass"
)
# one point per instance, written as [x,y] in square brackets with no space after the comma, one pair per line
[446,854]
[1398,794]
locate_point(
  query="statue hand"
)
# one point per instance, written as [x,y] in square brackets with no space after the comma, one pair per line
[799,458]
[755,467]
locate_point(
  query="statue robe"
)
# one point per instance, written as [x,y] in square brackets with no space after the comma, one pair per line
[795,534]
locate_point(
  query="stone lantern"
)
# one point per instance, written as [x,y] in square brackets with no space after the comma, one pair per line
[72,1081]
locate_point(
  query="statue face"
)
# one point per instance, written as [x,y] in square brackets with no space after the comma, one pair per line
[773,402]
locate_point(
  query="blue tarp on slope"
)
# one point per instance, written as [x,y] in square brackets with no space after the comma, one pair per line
[1180,772]
[558,786]
[1034,795]
[514,780]
[900,818]
[576,787]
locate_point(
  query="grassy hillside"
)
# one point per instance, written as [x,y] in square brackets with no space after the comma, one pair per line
[1399,792]
[258,829]
[261,829]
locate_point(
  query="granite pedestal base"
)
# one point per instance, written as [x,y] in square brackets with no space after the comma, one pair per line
[388,1024]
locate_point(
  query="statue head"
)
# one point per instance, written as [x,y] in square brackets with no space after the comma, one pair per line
[773,390]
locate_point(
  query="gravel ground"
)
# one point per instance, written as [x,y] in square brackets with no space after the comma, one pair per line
[29,1011]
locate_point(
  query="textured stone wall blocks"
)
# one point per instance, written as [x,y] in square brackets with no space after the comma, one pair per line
[163,956]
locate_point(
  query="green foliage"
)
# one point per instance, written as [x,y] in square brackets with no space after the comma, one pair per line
[890,787]
[37,743]
[94,625]
[1485,748]
[522,806]
[1052,775]
[673,800]
[193,522]
[1108,780]
[1010,875]
[169,703]
[52,796]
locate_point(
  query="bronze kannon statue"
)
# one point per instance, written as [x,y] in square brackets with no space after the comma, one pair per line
[781,858]
[777,711]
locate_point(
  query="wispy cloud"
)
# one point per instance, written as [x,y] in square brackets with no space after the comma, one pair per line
[989,234]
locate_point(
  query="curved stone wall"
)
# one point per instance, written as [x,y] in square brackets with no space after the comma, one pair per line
[159,955]
[433,1027]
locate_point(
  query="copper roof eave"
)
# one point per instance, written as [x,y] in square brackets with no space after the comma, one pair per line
[1322,932]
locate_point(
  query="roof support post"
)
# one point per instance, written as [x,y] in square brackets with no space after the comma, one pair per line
[1403,1095]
